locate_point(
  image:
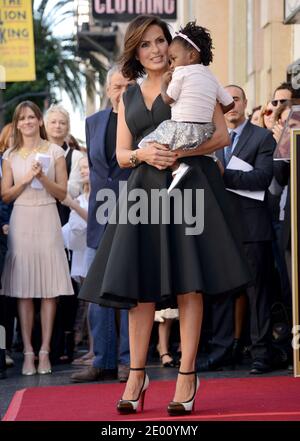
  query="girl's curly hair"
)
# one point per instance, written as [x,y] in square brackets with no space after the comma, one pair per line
[201,37]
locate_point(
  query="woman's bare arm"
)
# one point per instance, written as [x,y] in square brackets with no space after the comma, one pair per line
[154,154]
[9,190]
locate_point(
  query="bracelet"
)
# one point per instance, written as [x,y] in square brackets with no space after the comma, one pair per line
[134,159]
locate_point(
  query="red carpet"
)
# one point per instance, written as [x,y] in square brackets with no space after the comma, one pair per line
[237,399]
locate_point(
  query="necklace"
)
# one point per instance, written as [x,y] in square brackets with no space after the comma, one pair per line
[24,152]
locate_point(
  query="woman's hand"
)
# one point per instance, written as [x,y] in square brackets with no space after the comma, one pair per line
[37,169]
[277,131]
[158,155]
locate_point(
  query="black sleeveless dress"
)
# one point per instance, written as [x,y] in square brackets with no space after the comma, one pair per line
[155,262]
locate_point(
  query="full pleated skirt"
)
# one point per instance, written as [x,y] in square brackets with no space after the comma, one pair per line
[156,261]
[36,264]
[180,135]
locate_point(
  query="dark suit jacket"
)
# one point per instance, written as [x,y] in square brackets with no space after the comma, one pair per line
[103,174]
[255,146]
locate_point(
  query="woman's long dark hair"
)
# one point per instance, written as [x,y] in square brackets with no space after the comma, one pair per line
[131,67]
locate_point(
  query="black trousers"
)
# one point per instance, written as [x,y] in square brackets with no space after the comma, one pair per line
[64,325]
[260,260]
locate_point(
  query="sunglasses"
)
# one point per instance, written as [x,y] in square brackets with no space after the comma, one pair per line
[275,102]
[268,112]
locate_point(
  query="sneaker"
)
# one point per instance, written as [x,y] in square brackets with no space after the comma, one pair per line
[178,175]
[92,373]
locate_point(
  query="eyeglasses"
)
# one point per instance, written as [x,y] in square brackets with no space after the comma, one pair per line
[268,112]
[275,102]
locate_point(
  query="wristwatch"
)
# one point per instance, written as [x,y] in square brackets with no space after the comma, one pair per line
[134,159]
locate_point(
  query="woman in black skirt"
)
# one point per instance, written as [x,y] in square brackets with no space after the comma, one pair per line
[154,260]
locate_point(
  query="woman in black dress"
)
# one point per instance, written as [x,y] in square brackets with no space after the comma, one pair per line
[142,264]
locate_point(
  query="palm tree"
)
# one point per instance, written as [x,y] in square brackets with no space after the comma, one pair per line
[58,66]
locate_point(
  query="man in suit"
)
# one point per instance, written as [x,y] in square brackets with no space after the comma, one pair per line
[101,131]
[255,146]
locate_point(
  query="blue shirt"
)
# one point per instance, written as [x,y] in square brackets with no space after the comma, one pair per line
[238,130]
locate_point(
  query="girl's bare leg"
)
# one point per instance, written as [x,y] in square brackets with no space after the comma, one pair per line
[164,330]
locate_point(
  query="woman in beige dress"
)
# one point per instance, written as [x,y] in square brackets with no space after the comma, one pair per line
[36,264]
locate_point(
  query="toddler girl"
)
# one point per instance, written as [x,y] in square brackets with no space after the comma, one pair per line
[192,91]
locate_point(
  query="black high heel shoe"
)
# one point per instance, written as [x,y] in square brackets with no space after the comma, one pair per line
[130,406]
[177,408]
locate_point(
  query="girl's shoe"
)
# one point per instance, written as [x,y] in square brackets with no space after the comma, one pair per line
[44,370]
[32,369]
[168,364]
[130,406]
[177,408]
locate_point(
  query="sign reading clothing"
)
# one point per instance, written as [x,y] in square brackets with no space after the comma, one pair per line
[126,10]
[16,40]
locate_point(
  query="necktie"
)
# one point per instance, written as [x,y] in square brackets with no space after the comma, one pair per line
[228,150]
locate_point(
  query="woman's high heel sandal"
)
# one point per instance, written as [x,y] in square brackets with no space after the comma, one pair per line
[130,406]
[32,370]
[177,408]
[44,370]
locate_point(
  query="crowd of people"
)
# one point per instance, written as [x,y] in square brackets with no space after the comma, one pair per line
[52,245]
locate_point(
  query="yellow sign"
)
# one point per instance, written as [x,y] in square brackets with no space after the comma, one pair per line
[16,41]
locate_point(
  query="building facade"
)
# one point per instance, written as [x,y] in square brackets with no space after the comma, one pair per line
[257,42]
[254,42]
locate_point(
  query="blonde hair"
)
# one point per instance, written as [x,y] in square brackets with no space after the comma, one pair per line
[57,108]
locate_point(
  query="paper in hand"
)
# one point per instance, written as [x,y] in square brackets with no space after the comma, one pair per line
[44,160]
[236,163]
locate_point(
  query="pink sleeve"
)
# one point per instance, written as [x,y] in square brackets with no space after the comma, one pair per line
[57,151]
[223,96]
[175,86]
[6,154]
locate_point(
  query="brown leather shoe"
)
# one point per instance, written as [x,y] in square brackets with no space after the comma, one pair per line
[93,374]
[123,373]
